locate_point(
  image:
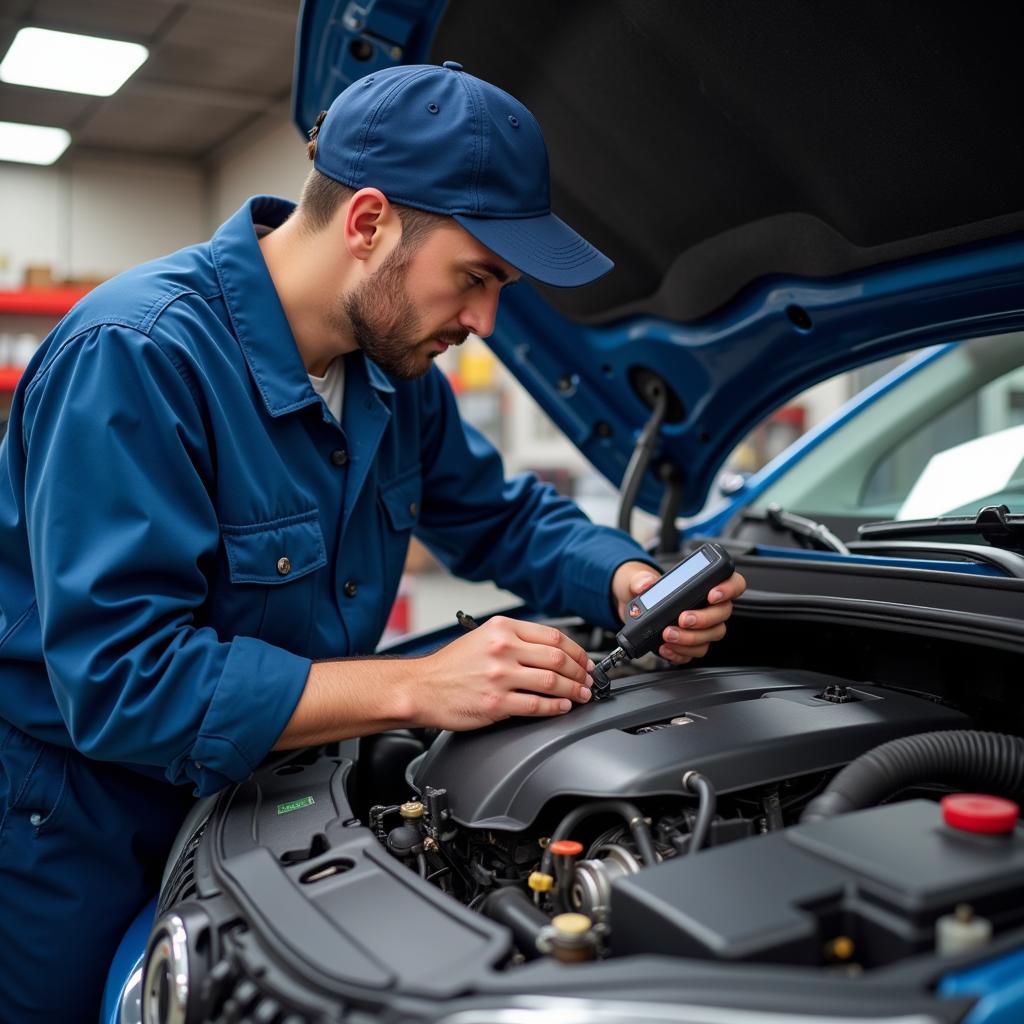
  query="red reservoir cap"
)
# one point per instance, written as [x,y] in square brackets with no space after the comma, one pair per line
[975,812]
[566,848]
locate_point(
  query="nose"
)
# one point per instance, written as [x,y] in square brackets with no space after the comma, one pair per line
[480,312]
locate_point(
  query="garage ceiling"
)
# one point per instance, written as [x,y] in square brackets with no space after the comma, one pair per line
[214,67]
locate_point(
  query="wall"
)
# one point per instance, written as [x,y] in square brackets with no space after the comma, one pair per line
[267,158]
[94,216]
[32,228]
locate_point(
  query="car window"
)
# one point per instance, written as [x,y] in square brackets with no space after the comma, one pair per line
[968,454]
[947,439]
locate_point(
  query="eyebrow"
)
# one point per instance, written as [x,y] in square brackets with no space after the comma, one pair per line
[495,271]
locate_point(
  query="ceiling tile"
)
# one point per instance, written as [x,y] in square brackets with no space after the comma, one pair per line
[116,19]
[42,106]
[149,126]
[215,47]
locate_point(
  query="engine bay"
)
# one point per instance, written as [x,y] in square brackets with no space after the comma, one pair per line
[408,870]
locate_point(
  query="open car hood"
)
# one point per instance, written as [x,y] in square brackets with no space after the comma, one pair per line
[785,195]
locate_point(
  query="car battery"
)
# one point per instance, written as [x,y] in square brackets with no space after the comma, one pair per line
[865,888]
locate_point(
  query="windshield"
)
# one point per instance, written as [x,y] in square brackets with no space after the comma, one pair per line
[945,441]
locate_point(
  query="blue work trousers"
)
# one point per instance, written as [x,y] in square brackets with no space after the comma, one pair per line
[82,847]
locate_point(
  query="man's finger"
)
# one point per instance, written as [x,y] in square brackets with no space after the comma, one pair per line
[532,705]
[684,638]
[674,655]
[548,684]
[535,633]
[705,618]
[642,581]
[555,659]
[727,590]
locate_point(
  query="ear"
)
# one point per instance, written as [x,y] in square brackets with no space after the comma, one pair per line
[371,224]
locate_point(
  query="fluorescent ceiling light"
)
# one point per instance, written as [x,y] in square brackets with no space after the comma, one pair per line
[70,62]
[31,143]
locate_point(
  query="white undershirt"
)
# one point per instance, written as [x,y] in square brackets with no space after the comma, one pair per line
[331,387]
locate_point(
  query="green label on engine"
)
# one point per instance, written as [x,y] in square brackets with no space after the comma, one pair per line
[295,805]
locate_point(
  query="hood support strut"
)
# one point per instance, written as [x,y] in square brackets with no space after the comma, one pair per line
[668,537]
[656,394]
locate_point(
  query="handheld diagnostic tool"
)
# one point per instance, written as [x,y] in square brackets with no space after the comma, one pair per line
[684,587]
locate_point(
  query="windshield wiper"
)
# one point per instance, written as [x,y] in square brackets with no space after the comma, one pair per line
[994,523]
[800,526]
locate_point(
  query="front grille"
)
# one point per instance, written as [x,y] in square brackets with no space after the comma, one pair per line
[181,881]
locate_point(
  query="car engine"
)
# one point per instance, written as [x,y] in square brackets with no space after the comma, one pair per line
[405,872]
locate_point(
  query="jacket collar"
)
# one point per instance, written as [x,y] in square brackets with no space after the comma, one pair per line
[256,313]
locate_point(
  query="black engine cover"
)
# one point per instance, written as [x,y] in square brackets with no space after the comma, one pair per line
[747,727]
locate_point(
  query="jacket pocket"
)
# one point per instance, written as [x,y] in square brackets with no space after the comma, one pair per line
[273,567]
[275,552]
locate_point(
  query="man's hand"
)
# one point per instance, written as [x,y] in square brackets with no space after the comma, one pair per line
[503,668]
[696,630]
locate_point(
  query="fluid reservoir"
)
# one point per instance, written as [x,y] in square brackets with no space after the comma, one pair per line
[961,932]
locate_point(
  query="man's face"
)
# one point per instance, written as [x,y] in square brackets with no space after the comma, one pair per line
[420,302]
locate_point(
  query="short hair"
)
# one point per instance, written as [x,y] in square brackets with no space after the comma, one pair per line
[322,196]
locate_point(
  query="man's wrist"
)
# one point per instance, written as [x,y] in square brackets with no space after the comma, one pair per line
[409,684]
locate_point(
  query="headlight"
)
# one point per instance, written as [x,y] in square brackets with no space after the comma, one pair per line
[165,974]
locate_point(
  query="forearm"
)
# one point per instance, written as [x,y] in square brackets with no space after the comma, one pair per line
[503,668]
[353,697]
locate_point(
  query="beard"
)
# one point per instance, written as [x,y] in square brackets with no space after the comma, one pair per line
[384,323]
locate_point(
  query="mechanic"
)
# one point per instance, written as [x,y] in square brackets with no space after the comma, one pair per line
[213,468]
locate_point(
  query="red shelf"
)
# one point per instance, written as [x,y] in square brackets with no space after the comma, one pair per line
[48,302]
[40,301]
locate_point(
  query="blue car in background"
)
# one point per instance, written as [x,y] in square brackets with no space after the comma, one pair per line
[787,198]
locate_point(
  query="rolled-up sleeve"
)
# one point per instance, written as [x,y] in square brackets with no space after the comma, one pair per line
[121,526]
[519,532]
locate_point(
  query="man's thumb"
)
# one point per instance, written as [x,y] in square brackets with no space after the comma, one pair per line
[642,582]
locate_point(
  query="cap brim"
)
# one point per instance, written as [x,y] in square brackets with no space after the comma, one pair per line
[544,248]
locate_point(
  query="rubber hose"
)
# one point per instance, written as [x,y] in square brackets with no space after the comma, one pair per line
[989,762]
[629,812]
[697,783]
[512,908]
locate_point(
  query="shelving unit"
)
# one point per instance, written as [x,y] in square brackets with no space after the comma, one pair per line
[32,311]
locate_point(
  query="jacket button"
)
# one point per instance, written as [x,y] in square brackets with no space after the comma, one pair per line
[350,589]
[413,508]
[284,565]
[340,457]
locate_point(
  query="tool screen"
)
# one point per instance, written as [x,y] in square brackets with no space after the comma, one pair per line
[671,582]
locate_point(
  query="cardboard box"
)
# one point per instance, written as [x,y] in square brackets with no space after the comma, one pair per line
[39,276]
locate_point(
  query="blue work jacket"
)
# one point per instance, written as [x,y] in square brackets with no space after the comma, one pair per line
[184,526]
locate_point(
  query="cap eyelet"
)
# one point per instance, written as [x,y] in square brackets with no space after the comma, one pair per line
[433,108]
[513,120]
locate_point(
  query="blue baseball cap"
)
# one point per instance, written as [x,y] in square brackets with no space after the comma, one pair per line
[438,139]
